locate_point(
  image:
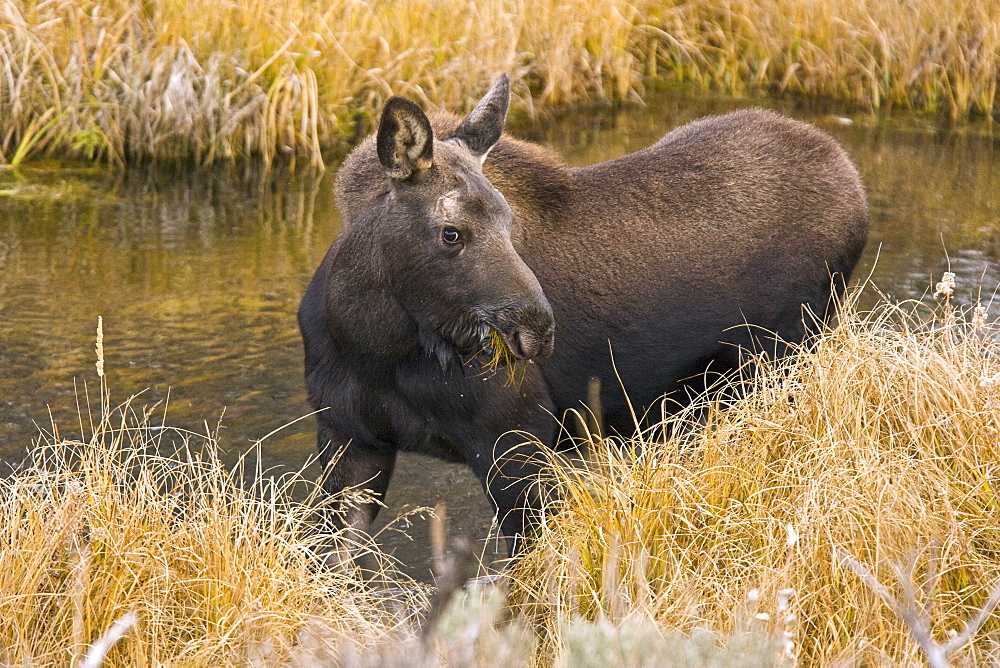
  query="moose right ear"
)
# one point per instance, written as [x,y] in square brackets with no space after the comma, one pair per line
[405,141]
[482,128]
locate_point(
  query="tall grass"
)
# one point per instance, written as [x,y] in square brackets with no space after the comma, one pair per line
[203,81]
[133,545]
[840,511]
[136,546]
[879,445]
[143,525]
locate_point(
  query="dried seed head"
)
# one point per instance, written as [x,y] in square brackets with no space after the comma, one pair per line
[100,346]
[979,317]
[783,596]
[946,288]
[989,382]
[793,535]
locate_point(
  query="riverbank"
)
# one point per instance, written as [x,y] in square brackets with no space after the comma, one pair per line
[125,82]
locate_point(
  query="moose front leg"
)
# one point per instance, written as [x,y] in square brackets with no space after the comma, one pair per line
[512,473]
[350,465]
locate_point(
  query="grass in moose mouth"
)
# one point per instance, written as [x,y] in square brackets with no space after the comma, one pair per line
[502,357]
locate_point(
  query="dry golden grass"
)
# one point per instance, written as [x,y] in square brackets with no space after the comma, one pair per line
[744,539]
[135,546]
[204,80]
[882,442]
[502,359]
[144,522]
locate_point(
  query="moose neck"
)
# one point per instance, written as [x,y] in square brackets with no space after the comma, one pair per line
[365,318]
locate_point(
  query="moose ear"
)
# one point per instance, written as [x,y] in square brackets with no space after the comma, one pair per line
[405,141]
[483,126]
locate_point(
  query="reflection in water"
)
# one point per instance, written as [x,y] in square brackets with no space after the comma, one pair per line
[195,276]
[198,277]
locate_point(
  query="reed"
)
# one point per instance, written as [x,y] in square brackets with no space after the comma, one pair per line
[203,81]
[850,484]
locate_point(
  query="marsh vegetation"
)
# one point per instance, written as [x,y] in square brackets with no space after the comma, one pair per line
[878,442]
[203,81]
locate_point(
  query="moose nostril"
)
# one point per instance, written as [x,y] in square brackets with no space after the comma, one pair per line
[526,345]
[531,331]
[548,342]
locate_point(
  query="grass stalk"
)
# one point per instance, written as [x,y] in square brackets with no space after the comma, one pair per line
[136,546]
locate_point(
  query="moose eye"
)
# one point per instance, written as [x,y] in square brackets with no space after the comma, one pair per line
[450,235]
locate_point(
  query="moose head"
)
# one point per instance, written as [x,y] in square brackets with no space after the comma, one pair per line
[446,235]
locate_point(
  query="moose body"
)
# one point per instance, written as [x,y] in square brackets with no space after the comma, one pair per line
[644,271]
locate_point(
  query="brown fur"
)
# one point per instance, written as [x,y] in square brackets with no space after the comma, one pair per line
[750,213]
[659,266]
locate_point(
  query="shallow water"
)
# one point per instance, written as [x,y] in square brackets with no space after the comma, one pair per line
[198,277]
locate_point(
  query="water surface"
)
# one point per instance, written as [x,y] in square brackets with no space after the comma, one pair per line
[198,276]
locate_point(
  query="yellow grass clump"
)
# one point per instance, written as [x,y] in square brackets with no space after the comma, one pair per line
[141,532]
[879,445]
[501,357]
[819,516]
[203,80]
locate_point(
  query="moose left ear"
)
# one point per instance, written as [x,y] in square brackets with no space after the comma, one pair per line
[483,126]
[405,141]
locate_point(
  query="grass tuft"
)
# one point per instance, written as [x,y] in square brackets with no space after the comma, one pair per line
[880,441]
[839,510]
[138,535]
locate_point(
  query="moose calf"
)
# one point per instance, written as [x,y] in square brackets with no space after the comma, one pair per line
[673,258]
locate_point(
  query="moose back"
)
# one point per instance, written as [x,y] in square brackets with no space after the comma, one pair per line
[671,259]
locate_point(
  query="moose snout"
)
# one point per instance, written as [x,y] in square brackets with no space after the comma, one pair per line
[533,333]
[528,345]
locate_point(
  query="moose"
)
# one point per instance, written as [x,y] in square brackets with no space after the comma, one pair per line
[643,272]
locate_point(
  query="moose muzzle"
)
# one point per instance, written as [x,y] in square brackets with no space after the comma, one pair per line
[528,330]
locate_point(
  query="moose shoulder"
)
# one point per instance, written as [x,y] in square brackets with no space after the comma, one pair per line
[671,258]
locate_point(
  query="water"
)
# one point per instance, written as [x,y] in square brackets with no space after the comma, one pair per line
[198,277]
